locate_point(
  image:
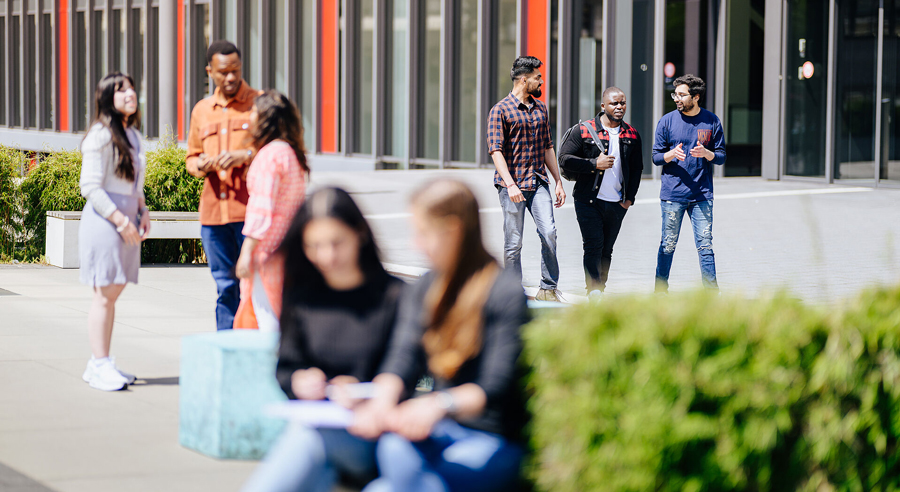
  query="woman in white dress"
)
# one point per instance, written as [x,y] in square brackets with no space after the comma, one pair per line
[115,219]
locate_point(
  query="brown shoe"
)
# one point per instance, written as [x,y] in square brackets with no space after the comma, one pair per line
[552,295]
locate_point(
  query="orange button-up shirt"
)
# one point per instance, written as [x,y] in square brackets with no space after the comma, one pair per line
[217,125]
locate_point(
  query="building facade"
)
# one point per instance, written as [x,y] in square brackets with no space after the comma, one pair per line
[806,89]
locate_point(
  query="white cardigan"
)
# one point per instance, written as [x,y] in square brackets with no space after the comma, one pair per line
[98,169]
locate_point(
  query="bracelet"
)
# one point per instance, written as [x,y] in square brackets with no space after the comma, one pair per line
[123,226]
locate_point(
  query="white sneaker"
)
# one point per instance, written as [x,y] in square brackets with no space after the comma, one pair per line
[128,377]
[595,295]
[101,374]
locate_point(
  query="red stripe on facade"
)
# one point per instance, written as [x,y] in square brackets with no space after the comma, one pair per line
[328,76]
[537,34]
[181,133]
[62,66]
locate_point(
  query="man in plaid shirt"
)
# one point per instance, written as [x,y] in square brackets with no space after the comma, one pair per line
[518,140]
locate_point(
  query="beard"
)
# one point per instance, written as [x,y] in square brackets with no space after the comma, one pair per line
[687,107]
[536,93]
[612,117]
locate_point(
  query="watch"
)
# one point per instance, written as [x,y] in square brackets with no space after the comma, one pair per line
[445,402]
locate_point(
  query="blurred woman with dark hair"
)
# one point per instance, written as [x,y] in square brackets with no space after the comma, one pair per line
[460,325]
[339,308]
[276,182]
[115,219]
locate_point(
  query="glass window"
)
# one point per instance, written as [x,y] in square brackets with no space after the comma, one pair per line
[45,91]
[231,20]
[365,50]
[201,27]
[640,114]
[430,81]
[395,104]
[279,16]
[804,116]
[138,72]
[890,93]
[857,50]
[100,48]
[15,105]
[29,43]
[590,60]
[307,64]
[3,65]
[81,78]
[506,45]
[251,67]
[465,141]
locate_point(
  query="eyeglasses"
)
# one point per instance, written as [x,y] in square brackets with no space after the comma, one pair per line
[676,96]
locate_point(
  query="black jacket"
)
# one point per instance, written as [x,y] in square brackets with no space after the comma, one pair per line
[578,149]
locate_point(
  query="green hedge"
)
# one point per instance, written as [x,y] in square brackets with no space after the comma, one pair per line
[53,185]
[699,393]
[12,166]
[168,187]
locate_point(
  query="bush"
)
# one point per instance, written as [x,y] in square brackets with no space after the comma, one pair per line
[12,165]
[170,188]
[706,394]
[52,185]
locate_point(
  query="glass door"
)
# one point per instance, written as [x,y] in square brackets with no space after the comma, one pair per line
[889,165]
[855,89]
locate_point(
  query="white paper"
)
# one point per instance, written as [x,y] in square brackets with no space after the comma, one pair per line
[361,391]
[321,413]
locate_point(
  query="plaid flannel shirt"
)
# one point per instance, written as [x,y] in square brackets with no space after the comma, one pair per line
[522,135]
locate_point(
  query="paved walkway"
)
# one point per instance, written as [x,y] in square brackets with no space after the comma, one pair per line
[824,243]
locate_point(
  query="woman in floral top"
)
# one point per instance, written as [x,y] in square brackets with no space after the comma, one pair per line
[276,182]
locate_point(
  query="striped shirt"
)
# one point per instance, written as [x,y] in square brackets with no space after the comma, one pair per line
[522,134]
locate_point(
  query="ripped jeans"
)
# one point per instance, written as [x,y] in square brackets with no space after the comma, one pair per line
[701,214]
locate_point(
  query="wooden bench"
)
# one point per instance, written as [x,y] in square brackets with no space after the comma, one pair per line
[62,233]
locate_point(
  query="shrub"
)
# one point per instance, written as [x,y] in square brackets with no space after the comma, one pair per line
[170,188]
[706,394]
[52,185]
[12,165]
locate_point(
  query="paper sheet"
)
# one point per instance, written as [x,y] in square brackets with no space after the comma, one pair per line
[312,413]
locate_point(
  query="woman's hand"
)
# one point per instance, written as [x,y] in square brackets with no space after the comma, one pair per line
[309,384]
[125,228]
[339,393]
[415,419]
[244,266]
[369,419]
[145,224]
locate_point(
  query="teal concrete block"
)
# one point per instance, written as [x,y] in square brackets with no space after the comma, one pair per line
[226,379]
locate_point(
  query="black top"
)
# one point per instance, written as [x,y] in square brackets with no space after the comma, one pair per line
[339,332]
[494,369]
[577,151]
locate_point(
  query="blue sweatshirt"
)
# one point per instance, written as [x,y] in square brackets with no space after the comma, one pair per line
[690,180]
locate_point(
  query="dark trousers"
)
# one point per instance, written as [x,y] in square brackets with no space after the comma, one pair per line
[222,244]
[600,222]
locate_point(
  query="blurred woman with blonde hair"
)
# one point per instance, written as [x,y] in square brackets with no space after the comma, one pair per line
[460,325]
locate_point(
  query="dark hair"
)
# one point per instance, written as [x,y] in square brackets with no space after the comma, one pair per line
[300,275]
[455,301]
[695,84]
[279,119]
[111,119]
[524,65]
[221,47]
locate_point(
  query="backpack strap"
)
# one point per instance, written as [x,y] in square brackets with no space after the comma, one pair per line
[593,132]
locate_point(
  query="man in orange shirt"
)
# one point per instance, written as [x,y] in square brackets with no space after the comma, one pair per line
[219,150]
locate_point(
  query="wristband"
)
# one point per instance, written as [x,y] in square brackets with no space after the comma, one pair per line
[445,402]
[123,226]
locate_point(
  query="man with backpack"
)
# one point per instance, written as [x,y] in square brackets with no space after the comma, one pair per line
[604,158]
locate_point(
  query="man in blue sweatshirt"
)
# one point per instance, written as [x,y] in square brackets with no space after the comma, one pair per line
[688,142]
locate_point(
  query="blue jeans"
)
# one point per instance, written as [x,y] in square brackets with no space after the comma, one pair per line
[540,203]
[222,244]
[310,460]
[701,214]
[600,222]
[454,458]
